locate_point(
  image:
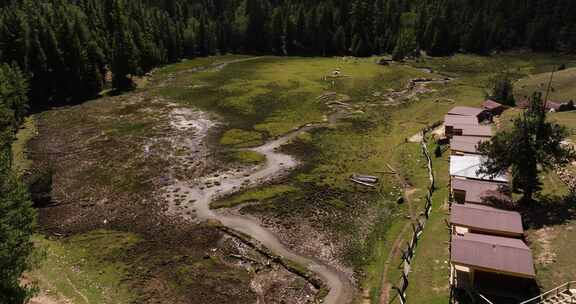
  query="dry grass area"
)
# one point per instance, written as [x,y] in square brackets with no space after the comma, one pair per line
[551,234]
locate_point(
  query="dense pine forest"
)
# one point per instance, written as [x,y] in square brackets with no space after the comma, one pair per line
[68,48]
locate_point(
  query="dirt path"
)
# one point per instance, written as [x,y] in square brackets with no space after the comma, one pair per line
[386,286]
[77,291]
[395,249]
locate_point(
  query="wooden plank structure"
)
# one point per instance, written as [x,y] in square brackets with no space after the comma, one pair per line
[365,180]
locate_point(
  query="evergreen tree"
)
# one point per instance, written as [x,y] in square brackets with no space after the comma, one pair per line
[278,33]
[256,28]
[406,44]
[441,44]
[533,145]
[339,41]
[474,39]
[17,217]
[125,56]
[17,223]
[502,90]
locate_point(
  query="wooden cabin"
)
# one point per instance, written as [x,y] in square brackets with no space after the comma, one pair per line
[469,191]
[463,145]
[485,220]
[491,265]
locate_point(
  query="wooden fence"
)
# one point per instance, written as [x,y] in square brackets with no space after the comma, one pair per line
[419,224]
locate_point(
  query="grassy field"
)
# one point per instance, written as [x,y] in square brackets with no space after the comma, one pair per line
[86,268]
[567,119]
[195,63]
[273,95]
[27,131]
[553,249]
[562,90]
[552,237]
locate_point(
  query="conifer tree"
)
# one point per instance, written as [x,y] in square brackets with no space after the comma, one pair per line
[256,27]
[339,41]
[125,56]
[17,216]
[532,146]
[278,33]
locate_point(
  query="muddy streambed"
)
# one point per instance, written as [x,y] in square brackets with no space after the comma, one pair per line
[277,164]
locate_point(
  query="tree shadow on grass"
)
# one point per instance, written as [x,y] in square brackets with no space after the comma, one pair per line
[549,210]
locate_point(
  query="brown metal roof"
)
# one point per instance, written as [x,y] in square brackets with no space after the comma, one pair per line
[453,120]
[465,111]
[553,105]
[550,105]
[469,130]
[466,144]
[491,105]
[480,192]
[486,218]
[492,253]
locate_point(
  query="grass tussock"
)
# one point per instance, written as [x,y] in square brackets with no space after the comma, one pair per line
[241,138]
[257,195]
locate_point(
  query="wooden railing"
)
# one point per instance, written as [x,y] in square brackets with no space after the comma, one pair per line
[420,222]
[484,299]
[554,292]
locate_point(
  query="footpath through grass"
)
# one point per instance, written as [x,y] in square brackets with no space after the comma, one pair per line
[431,265]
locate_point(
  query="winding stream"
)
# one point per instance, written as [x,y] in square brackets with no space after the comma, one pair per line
[277,163]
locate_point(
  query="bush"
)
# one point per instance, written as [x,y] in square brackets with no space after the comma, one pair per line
[40,186]
[361,123]
[502,90]
[17,224]
[438,151]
